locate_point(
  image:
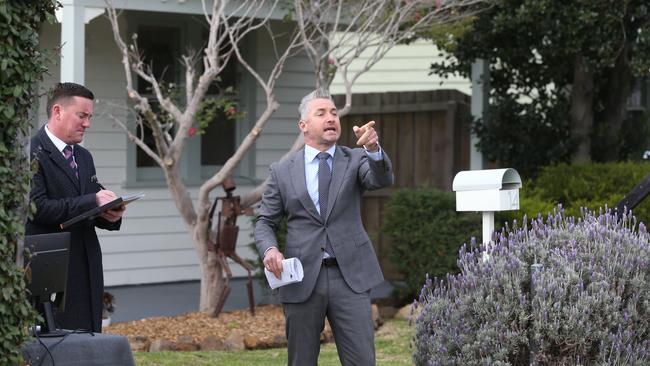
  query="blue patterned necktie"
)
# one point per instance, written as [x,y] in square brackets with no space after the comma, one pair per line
[324,178]
[67,153]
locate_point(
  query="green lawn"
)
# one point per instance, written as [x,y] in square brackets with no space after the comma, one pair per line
[392,347]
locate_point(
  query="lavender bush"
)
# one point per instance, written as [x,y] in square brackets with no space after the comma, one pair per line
[586,302]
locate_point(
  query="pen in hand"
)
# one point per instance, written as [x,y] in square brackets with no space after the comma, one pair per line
[93,179]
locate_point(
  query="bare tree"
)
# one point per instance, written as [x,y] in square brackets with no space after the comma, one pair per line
[332,33]
[227,28]
[336,33]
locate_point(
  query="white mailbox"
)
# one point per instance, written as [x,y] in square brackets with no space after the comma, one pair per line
[487,190]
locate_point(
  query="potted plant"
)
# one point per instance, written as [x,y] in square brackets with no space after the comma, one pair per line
[108,308]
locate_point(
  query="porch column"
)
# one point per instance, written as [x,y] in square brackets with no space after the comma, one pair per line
[73,42]
[480,94]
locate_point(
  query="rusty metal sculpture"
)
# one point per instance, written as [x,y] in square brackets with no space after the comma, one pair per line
[223,241]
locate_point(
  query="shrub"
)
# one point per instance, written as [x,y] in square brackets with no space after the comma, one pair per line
[589,302]
[580,185]
[426,233]
[21,67]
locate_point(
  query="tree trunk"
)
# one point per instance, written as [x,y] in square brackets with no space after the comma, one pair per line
[214,285]
[619,87]
[582,108]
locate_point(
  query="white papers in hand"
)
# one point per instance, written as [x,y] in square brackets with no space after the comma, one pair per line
[291,273]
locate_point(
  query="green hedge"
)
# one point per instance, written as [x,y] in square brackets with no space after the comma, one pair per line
[21,67]
[426,234]
[580,185]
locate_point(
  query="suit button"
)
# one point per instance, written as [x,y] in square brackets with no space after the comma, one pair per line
[322,249]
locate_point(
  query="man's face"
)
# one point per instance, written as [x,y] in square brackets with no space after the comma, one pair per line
[70,119]
[321,127]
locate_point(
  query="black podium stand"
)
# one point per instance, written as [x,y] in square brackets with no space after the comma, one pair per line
[79,349]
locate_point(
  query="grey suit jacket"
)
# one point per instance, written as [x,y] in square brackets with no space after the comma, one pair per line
[286,196]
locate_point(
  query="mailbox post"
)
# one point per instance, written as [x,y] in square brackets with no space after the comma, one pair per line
[487,191]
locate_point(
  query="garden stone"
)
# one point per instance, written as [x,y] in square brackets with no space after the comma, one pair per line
[387,312]
[212,343]
[376,318]
[139,344]
[159,345]
[406,313]
[186,343]
[327,336]
[235,342]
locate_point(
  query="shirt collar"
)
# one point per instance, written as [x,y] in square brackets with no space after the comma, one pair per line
[56,141]
[311,152]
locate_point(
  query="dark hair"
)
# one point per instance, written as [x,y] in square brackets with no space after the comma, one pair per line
[64,91]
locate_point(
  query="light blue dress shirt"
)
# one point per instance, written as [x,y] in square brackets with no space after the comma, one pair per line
[311,169]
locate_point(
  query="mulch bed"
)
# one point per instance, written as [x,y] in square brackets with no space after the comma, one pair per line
[236,330]
[198,331]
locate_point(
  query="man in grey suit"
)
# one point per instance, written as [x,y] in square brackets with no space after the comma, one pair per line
[318,189]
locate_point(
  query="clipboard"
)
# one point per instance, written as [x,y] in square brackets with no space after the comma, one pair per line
[95,212]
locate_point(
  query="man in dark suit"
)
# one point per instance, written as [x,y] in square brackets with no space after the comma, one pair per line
[65,186]
[319,189]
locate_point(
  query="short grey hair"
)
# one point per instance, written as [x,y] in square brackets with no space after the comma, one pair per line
[316,94]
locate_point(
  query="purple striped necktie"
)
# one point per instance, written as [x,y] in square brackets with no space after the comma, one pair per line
[67,153]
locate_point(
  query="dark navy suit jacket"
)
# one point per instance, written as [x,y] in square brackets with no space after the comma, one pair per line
[59,196]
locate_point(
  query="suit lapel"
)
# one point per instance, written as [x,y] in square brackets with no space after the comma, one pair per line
[57,157]
[297,171]
[339,166]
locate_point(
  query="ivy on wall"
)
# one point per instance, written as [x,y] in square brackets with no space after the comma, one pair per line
[21,67]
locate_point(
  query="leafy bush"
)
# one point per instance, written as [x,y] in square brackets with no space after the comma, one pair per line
[580,185]
[426,232]
[21,67]
[587,303]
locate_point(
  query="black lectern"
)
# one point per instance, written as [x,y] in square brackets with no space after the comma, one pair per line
[47,274]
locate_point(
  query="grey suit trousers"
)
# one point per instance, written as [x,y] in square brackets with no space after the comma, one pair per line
[350,317]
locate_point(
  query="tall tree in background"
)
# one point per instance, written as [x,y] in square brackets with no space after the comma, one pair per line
[21,67]
[561,74]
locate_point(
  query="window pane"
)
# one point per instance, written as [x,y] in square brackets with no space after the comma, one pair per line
[218,141]
[143,159]
[160,46]
[161,49]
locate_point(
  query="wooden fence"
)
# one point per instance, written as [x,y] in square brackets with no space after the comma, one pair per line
[426,135]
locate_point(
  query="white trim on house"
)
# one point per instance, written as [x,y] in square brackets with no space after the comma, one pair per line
[168,6]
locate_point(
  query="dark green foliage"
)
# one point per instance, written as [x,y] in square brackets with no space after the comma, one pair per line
[547,58]
[21,67]
[518,136]
[426,232]
[580,185]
